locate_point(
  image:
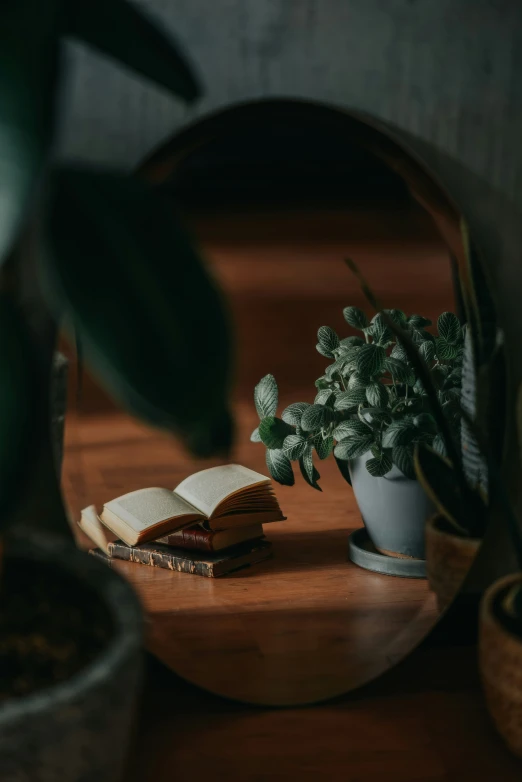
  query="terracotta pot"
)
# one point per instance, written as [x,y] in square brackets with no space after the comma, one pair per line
[500,659]
[448,560]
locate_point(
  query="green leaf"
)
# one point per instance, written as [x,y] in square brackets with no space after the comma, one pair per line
[357,381]
[380,331]
[314,417]
[324,396]
[398,317]
[29,68]
[351,449]
[355,318]
[418,322]
[351,342]
[328,340]
[279,467]
[350,399]
[377,395]
[294,412]
[400,432]
[255,437]
[439,446]
[344,469]
[399,353]
[449,328]
[294,446]
[402,457]
[266,396]
[121,268]
[427,351]
[338,366]
[379,465]
[308,471]
[323,351]
[370,360]
[351,428]
[273,432]
[399,371]
[445,350]
[323,446]
[18,403]
[419,336]
[128,34]
[322,382]
[438,479]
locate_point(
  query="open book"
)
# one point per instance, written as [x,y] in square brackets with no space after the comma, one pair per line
[225,497]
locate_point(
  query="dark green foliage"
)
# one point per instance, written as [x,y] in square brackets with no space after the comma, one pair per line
[266,397]
[273,432]
[371,397]
[279,467]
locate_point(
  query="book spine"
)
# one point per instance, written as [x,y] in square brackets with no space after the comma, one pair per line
[161,559]
[195,539]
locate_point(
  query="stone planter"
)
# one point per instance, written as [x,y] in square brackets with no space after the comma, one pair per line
[448,560]
[77,729]
[394,510]
[500,659]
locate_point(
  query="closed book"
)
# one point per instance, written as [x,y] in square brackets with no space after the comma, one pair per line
[200,538]
[210,565]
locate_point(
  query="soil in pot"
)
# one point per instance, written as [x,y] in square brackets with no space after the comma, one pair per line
[51,626]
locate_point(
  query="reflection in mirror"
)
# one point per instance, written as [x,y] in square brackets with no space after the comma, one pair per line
[278,199]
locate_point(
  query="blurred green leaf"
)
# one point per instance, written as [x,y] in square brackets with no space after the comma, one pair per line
[255,437]
[118,264]
[128,34]
[308,471]
[29,69]
[273,432]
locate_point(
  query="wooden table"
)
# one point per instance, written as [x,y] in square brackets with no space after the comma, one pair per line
[423,720]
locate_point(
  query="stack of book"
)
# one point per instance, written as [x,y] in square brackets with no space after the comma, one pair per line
[210,525]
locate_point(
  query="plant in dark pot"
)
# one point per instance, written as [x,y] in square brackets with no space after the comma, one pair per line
[370,411]
[102,253]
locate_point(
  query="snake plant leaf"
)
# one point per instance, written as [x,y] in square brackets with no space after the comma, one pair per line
[279,467]
[17,421]
[351,428]
[273,432]
[376,394]
[293,413]
[355,318]
[328,340]
[119,266]
[370,360]
[308,471]
[449,328]
[380,464]
[255,437]
[29,75]
[294,446]
[402,457]
[466,513]
[266,396]
[351,449]
[323,445]
[348,400]
[129,35]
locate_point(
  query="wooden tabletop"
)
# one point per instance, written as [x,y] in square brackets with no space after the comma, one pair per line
[308,622]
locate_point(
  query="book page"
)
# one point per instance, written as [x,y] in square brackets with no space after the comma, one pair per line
[206,489]
[91,524]
[145,508]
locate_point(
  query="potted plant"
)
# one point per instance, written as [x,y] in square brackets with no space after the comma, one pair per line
[102,253]
[371,410]
[500,633]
